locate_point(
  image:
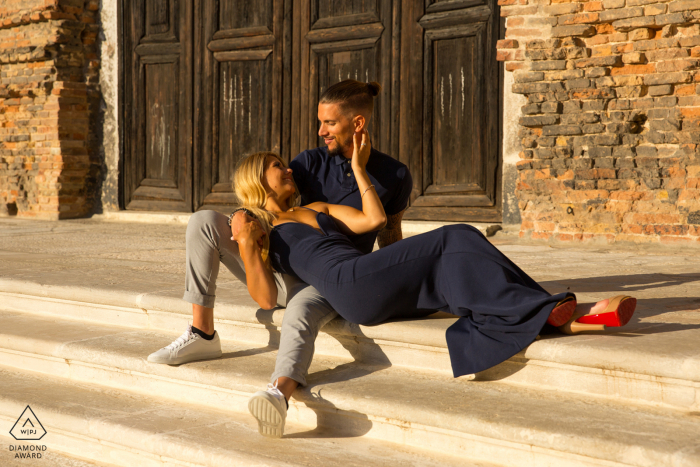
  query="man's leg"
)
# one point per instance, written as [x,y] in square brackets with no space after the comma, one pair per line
[208,242]
[307,312]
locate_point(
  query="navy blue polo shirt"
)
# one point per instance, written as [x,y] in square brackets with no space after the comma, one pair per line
[320,177]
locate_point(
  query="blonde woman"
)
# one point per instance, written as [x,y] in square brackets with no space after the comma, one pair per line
[455,269]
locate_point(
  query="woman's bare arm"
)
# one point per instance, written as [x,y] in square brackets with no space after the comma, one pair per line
[259,279]
[372,217]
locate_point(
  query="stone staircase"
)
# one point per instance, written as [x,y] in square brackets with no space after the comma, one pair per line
[74,348]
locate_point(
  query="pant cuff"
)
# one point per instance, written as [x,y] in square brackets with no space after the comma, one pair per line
[299,378]
[197,298]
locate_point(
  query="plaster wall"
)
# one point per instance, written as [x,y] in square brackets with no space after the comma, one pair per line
[511,148]
[109,84]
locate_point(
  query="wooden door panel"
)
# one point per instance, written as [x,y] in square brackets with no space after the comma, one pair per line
[457,177]
[158,140]
[345,39]
[241,97]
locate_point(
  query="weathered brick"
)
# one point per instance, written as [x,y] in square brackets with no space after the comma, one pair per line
[607,140]
[683,5]
[530,109]
[543,44]
[572,107]
[579,18]
[667,78]
[628,80]
[557,130]
[507,44]
[673,18]
[640,34]
[527,76]
[526,88]
[558,75]
[623,13]
[655,9]
[575,30]
[562,9]
[578,83]
[549,65]
[691,41]
[599,151]
[666,54]
[665,125]
[662,90]
[629,24]
[611,4]
[551,107]
[612,60]
[540,120]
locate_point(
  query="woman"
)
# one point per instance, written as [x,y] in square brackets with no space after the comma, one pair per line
[454,269]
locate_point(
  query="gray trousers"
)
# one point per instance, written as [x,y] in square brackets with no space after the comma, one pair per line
[208,242]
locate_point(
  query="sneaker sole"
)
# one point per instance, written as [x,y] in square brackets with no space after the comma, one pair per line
[180,361]
[270,422]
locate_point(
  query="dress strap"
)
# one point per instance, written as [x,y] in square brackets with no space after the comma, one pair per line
[304,207]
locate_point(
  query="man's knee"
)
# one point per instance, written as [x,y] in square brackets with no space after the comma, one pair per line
[307,312]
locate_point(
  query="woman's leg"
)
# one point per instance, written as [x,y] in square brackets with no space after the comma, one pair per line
[454,269]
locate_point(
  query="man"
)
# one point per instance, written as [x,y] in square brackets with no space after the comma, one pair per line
[321,174]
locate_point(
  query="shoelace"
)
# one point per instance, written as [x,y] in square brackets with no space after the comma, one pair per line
[180,341]
[272,389]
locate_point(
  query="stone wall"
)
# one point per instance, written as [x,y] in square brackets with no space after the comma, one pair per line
[49,97]
[611,126]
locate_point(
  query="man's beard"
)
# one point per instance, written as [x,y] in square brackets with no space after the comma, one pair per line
[338,149]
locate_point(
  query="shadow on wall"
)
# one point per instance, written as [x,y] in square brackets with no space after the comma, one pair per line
[9,209]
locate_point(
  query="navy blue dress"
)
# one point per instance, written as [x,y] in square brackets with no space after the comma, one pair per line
[453,269]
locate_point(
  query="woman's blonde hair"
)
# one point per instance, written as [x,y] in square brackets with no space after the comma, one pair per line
[251,194]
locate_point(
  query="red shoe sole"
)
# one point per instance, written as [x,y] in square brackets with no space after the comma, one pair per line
[561,314]
[613,319]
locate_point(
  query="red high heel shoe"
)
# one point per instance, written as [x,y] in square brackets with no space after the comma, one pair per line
[618,313]
[562,312]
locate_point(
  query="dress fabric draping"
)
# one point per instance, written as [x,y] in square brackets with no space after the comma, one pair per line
[454,269]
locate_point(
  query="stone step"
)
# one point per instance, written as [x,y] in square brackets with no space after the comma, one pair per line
[636,365]
[495,422]
[409,228]
[128,429]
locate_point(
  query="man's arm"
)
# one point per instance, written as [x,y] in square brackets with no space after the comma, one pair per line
[391,233]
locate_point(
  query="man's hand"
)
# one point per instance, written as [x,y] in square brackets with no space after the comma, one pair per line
[246,229]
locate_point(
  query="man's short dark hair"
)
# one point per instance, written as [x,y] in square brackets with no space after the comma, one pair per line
[352,95]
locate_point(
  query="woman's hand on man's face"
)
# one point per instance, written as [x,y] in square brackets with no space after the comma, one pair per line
[246,229]
[361,148]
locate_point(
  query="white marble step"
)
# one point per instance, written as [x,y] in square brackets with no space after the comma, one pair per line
[493,422]
[409,228]
[638,364]
[127,429]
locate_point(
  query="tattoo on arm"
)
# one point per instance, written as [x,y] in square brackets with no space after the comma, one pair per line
[392,232]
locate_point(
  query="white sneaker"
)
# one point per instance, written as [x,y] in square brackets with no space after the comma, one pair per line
[186,348]
[270,409]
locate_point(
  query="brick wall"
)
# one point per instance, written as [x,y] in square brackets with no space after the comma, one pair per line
[48,94]
[611,127]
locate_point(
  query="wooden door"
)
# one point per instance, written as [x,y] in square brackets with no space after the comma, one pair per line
[210,82]
[450,109]
[240,101]
[158,105]
[337,40]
